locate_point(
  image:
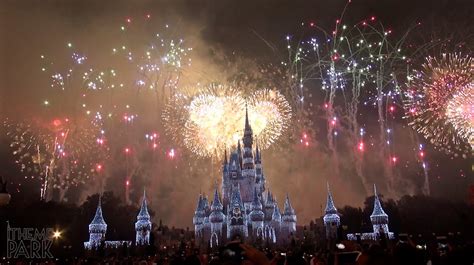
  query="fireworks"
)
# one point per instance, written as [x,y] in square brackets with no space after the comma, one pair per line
[157,62]
[59,153]
[211,120]
[440,102]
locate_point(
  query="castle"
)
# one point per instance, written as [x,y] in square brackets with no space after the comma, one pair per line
[245,210]
[98,228]
[378,218]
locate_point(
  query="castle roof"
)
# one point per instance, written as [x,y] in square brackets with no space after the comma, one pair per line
[378,210]
[276,216]
[288,209]
[200,204]
[143,214]
[216,203]
[98,224]
[247,128]
[269,200]
[330,208]
[378,215]
[258,157]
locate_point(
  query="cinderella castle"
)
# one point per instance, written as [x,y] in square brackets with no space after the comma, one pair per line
[98,228]
[245,209]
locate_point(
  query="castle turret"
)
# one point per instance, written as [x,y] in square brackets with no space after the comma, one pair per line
[259,177]
[247,158]
[378,217]
[256,216]
[143,224]
[275,224]
[248,166]
[379,220]
[239,153]
[331,218]
[217,217]
[225,165]
[276,216]
[269,207]
[97,229]
[288,219]
[198,219]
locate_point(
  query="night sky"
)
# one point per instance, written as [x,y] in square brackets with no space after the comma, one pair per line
[226,36]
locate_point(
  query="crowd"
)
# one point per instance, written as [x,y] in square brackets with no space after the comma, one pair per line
[400,252]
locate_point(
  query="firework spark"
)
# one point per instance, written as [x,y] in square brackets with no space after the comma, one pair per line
[440,102]
[208,121]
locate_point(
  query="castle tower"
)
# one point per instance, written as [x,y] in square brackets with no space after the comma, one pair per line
[256,216]
[236,216]
[378,217]
[274,229]
[198,218]
[331,218]
[288,220]
[269,207]
[232,177]
[248,166]
[225,171]
[143,224]
[216,218]
[247,158]
[259,177]
[239,153]
[97,229]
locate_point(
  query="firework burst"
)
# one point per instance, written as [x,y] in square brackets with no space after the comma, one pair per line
[210,120]
[440,102]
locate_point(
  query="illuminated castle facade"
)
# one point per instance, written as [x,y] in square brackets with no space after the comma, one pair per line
[98,228]
[244,209]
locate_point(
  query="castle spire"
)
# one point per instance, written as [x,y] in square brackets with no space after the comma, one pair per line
[98,218]
[378,210]
[276,216]
[225,156]
[288,209]
[236,197]
[331,219]
[256,204]
[216,216]
[216,203]
[97,228]
[330,208]
[143,224]
[269,197]
[143,214]
[379,218]
[247,124]
[248,160]
[199,203]
[256,215]
[258,158]
[239,153]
